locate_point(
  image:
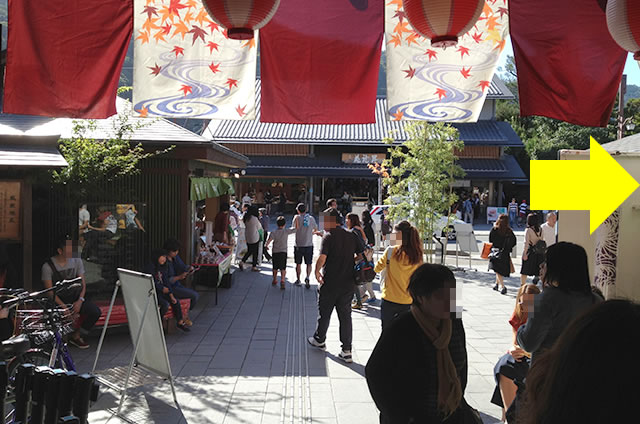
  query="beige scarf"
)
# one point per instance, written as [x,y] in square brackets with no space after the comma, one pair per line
[439,333]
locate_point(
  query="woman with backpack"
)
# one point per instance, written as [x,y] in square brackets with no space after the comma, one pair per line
[400,260]
[353,223]
[534,249]
[367,225]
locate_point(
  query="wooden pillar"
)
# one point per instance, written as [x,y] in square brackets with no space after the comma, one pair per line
[186,215]
[27,235]
[492,198]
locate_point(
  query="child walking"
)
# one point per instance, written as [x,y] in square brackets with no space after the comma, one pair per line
[280,238]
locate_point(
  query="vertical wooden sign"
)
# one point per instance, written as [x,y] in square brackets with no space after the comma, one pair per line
[10,208]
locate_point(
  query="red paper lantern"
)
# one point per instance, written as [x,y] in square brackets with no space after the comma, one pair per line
[241,17]
[442,21]
[623,20]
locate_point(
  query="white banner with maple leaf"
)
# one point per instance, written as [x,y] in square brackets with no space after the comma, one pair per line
[185,66]
[433,84]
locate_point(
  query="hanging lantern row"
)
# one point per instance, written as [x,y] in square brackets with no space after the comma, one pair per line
[241,17]
[623,20]
[442,21]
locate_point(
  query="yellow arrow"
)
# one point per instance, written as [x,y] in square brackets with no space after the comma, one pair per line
[598,185]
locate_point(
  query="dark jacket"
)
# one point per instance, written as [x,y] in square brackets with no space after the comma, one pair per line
[402,372]
[554,309]
[505,242]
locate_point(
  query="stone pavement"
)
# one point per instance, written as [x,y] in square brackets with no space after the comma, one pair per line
[246,360]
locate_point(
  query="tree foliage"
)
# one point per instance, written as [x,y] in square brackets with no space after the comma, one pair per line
[92,161]
[544,137]
[418,175]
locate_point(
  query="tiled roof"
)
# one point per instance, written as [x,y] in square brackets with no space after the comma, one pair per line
[503,169]
[145,129]
[487,132]
[629,144]
[31,152]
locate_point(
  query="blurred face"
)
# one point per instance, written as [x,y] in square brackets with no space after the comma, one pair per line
[543,271]
[333,205]
[441,303]
[69,250]
[327,222]
[173,254]
[526,302]
[552,219]
[162,260]
[395,238]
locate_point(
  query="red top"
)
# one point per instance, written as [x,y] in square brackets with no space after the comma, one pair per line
[515,322]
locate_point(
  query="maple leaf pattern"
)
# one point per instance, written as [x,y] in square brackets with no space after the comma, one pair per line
[155,70]
[463,50]
[398,115]
[467,68]
[175,6]
[212,46]
[197,33]
[214,68]
[144,111]
[184,29]
[150,11]
[231,83]
[178,50]
[396,40]
[477,37]
[484,84]
[441,92]
[186,89]
[410,72]
[432,54]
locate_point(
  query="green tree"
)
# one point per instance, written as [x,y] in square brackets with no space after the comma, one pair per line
[418,175]
[92,161]
[544,137]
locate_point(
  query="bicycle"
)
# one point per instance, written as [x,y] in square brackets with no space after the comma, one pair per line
[45,327]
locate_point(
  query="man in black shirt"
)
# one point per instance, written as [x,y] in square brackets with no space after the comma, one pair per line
[334,272]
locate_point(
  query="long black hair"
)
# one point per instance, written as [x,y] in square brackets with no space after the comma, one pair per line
[590,375]
[533,222]
[568,267]
[155,255]
[251,211]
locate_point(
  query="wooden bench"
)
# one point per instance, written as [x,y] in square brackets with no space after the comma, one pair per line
[119,314]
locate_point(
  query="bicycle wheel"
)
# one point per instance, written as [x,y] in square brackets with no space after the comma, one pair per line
[36,357]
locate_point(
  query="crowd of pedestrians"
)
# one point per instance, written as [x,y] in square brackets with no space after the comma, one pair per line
[417,372]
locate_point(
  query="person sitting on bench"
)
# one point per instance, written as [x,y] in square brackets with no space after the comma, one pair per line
[178,273]
[159,269]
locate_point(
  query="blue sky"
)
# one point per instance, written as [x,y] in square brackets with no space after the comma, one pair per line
[631,69]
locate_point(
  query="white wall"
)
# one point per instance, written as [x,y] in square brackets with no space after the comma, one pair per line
[574,226]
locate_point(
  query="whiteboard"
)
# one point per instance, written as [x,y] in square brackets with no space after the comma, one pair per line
[465,237]
[152,348]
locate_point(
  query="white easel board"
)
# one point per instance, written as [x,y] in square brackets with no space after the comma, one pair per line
[151,350]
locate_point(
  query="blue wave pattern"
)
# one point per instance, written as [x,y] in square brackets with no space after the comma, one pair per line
[450,108]
[201,102]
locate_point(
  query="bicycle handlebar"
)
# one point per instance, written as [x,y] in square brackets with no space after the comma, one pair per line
[25,296]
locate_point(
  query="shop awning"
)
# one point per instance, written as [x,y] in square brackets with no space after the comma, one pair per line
[503,169]
[206,187]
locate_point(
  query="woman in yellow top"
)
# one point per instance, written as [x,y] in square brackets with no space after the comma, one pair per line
[401,259]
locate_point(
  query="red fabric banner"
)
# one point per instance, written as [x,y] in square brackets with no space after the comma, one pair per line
[64,57]
[569,67]
[319,62]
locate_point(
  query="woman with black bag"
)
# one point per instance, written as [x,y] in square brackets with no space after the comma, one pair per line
[503,240]
[534,249]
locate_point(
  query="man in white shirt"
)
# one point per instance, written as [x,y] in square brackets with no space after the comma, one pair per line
[549,229]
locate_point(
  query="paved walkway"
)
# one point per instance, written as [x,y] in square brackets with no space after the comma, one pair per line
[246,360]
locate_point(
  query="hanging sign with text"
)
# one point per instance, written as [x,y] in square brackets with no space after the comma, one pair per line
[10,210]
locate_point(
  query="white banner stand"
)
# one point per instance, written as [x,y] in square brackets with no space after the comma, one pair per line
[145,326]
[465,242]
